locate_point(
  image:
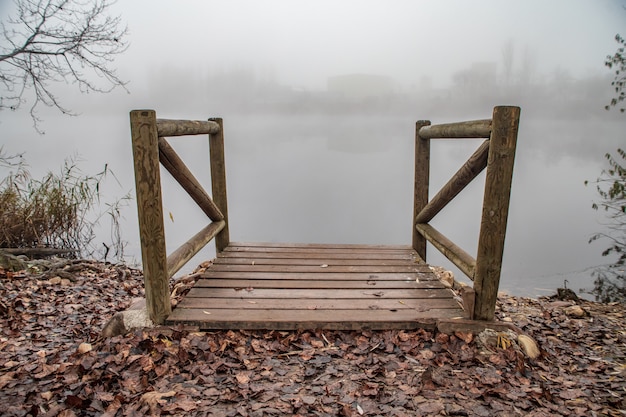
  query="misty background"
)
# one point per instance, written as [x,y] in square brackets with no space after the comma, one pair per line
[320,100]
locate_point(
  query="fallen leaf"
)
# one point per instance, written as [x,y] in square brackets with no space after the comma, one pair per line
[242,378]
[154,398]
[529,346]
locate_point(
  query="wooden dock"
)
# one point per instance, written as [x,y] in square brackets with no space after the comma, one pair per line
[309,286]
[284,286]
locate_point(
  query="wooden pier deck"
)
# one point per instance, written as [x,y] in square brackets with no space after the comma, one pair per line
[311,286]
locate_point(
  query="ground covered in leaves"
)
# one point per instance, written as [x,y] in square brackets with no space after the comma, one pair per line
[53,363]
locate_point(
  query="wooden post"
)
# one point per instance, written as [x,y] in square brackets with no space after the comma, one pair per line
[218,182]
[495,210]
[150,211]
[422,173]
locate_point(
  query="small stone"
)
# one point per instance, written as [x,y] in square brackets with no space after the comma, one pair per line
[575,311]
[84,348]
[55,280]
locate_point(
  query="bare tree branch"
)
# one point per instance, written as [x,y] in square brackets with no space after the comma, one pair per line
[50,41]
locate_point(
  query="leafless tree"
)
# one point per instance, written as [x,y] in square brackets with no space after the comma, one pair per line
[43,42]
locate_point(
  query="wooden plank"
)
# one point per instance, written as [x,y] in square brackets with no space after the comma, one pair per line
[495,210]
[449,249]
[323,268]
[310,319]
[420,189]
[317,255]
[189,249]
[355,276]
[289,289]
[241,284]
[179,171]
[229,260]
[144,135]
[459,130]
[218,181]
[320,246]
[300,249]
[461,179]
[318,304]
[167,127]
[372,294]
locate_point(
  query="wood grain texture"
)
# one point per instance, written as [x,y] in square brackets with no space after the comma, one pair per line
[218,181]
[498,181]
[293,293]
[150,212]
[461,179]
[421,181]
[177,168]
[188,250]
[313,319]
[449,249]
[166,127]
[459,130]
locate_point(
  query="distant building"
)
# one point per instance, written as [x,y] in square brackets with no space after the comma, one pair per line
[360,86]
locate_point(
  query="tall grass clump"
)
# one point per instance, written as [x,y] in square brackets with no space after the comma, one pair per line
[61,210]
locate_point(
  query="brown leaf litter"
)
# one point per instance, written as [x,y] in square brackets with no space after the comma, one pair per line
[53,363]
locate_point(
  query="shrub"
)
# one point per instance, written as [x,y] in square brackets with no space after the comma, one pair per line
[610,280]
[61,210]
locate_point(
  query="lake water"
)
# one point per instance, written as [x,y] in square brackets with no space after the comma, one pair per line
[329,178]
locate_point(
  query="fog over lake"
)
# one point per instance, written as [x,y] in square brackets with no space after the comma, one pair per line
[320,100]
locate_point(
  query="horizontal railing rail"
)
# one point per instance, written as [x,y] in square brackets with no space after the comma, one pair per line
[150,148]
[166,128]
[497,155]
[460,130]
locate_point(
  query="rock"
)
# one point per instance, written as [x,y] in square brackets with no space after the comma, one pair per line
[11,262]
[575,311]
[566,294]
[84,348]
[136,317]
[55,280]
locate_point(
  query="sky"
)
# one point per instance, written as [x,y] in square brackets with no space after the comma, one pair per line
[304,42]
[299,45]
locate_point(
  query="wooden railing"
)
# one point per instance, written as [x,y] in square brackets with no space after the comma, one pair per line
[149,148]
[497,154]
